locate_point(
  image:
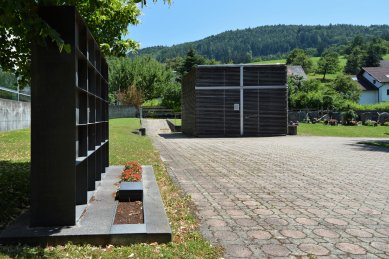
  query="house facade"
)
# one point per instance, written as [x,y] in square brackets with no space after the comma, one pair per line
[374,82]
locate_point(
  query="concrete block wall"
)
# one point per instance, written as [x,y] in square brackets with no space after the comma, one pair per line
[14,115]
[122,111]
[302,115]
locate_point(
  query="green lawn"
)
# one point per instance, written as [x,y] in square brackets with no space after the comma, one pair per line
[342,131]
[124,146]
[14,174]
[342,61]
[275,61]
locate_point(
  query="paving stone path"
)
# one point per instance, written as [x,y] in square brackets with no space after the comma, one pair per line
[284,196]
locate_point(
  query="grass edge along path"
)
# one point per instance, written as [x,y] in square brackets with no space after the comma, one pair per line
[187,239]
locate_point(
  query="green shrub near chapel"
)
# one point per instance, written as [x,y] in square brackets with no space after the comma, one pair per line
[384,106]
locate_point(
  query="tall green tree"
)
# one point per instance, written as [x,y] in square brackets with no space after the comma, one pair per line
[375,51]
[175,64]
[347,88]
[145,73]
[328,63]
[300,57]
[357,42]
[183,65]
[192,59]
[20,25]
[361,52]
[355,60]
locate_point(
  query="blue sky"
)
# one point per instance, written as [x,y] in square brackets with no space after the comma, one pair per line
[189,20]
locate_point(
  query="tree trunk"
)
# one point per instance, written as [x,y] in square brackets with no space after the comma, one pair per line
[324,74]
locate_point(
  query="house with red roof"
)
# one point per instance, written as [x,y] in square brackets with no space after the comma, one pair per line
[374,82]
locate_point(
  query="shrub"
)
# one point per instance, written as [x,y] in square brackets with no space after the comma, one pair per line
[348,117]
[347,88]
[384,106]
[386,123]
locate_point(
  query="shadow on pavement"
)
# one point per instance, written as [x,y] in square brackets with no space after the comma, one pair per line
[173,135]
[372,145]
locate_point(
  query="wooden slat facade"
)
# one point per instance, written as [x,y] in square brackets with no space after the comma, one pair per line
[209,94]
[264,112]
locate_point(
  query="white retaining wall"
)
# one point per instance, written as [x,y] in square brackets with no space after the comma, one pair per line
[14,115]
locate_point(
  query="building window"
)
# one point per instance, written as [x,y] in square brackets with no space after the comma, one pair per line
[387,92]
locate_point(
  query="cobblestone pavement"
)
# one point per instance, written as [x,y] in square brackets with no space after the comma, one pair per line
[284,196]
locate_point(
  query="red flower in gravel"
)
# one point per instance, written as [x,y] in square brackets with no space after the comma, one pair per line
[132,172]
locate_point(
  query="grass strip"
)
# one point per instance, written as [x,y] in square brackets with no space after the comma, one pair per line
[319,129]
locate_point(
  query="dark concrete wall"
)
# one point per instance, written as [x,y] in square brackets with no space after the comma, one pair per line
[188,103]
[14,115]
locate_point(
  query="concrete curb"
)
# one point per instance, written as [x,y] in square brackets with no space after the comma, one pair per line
[95,226]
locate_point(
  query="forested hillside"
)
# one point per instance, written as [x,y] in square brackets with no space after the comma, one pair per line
[269,42]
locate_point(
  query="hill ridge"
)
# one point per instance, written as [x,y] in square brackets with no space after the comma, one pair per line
[268,41]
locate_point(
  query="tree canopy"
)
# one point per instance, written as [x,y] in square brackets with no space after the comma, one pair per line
[355,60]
[314,94]
[361,52]
[347,88]
[20,25]
[8,80]
[375,50]
[301,58]
[145,73]
[134,80]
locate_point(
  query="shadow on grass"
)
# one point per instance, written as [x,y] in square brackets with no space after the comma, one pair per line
[14,200]
[373,145]
[14,190]
[326,80]
[136,132]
